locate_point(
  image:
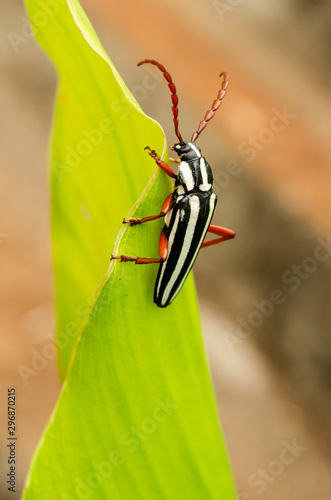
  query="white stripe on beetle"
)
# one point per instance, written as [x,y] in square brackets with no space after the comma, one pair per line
[211,211]
[195,149]
[194,215]
[187,175]
[170,243]
[205,186]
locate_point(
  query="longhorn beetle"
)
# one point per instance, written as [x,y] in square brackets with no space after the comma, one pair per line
[187,211]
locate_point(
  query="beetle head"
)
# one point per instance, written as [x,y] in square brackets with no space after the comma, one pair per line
[186,150]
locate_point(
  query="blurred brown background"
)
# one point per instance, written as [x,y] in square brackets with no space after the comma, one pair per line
[269,149]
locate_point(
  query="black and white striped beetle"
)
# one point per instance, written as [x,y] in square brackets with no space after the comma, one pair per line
[187,211]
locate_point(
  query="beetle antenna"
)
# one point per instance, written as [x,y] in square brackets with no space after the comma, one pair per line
[172,88]
[216,104]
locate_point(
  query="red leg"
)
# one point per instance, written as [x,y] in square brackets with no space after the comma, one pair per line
[137,260]
[164,210]
[162,164]
[223,232]
[163,246]
[163,252]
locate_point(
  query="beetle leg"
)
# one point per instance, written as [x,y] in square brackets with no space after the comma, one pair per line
[163,252]
[223,232]
[163,246]
[164,210]
[173,160]
[137,260]
[162,164]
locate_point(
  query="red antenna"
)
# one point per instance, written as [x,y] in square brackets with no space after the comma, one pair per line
[172,88]
[215,106]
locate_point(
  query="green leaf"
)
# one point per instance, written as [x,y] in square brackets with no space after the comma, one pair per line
[99,166]
[136,417]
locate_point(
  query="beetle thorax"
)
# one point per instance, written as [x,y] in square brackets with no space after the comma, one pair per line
[195,175]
